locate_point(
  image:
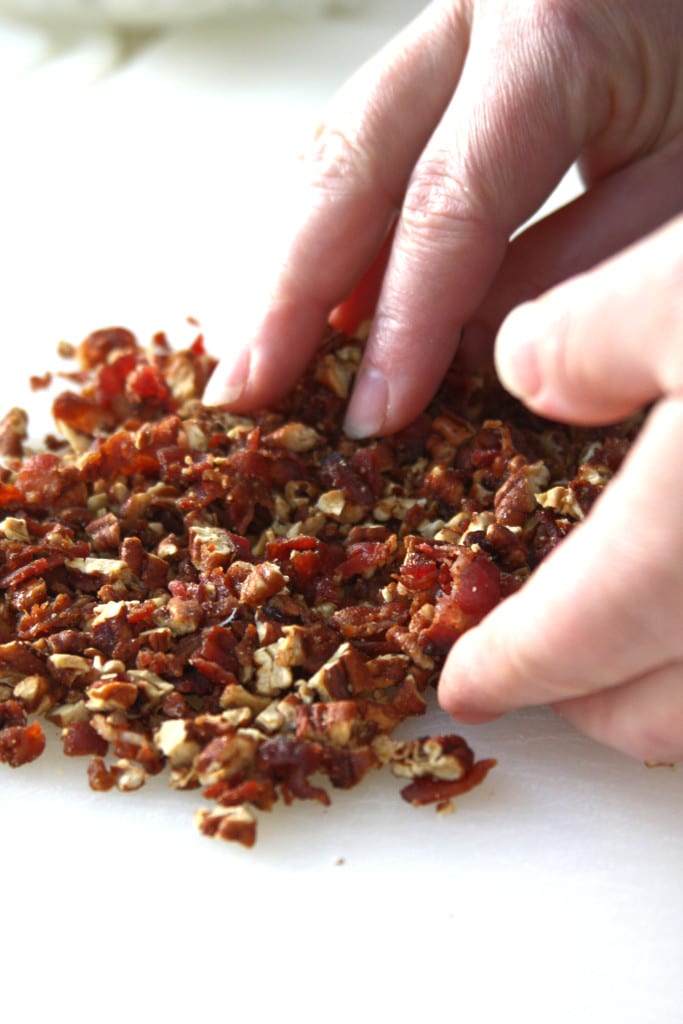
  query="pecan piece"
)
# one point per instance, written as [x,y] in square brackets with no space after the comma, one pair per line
[232,824]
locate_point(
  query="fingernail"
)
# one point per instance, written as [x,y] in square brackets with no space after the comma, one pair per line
[516,352]
[473,717]
[368,406]
[227,383]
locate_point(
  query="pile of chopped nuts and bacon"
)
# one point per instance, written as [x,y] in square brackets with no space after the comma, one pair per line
[256,603]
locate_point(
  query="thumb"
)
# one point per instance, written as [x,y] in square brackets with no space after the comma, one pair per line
[601,345]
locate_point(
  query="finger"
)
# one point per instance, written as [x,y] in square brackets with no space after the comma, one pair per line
[577,237]
[513,127]
[603,344]
[601,609]
[642,718]
[350,183]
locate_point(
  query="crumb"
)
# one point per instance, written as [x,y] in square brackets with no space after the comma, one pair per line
[38,383]
[66,350]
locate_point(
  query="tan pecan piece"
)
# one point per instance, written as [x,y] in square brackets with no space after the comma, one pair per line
[232,824]
[264,581]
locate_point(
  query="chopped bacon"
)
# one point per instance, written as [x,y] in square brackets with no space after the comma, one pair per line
[433,791]
[20,744]
[256,603]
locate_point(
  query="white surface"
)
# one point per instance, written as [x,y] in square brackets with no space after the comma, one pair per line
[136,187]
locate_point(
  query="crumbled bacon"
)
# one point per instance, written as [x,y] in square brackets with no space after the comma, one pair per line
[254,602]
[19,742]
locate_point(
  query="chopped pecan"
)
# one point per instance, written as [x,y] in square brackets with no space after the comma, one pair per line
[105,533]
[15,530]
[264,581]
[295,437]
[34,692]
[127,775]
[236,824]
[257,602]
[111,695]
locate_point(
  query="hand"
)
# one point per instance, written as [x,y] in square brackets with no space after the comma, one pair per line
[451,138]
[597,631]
[454,135]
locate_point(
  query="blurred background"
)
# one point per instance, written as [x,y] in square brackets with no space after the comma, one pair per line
[159,13]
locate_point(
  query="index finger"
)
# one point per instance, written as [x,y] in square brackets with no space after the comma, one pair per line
[528,100]
[351,182]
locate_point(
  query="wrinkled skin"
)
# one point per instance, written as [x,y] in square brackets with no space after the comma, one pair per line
[452,137]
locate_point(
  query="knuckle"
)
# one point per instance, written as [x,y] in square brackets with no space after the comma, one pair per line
[643,733]
[439,206]
[582,40]
[573,26]
[337,160]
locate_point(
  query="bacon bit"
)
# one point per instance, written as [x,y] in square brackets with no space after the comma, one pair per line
[96,349]
[21,744]
[37,383]
[100,778]
[259,794]
[111,379]
[146,383]
[11,714]
[26,572]
[476,585]
[79,739]
[367,556]
[13,432]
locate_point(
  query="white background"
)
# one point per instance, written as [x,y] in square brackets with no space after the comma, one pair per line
[139,183]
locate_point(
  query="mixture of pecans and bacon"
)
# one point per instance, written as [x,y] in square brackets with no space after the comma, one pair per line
[258,602]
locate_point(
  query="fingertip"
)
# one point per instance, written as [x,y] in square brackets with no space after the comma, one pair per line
[470,717]
[228,381]
[268,355]
[460,691]
[367,411]
[516,352]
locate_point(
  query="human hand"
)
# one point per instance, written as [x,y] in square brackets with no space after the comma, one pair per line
[455,133]
[597,630]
